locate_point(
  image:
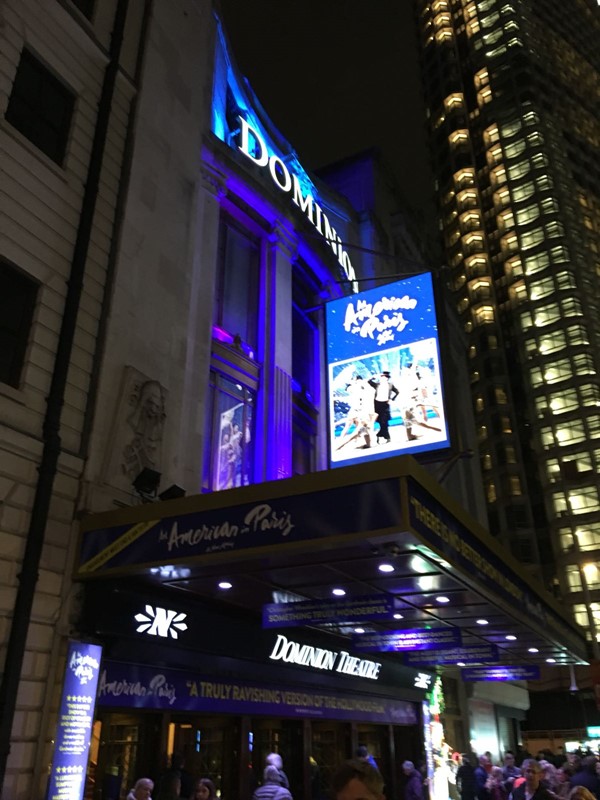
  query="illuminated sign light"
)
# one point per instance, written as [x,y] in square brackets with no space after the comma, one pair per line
[310,612]
[75,720]
[253,146]
[161,622]
[423,680]
[516,673]
[414,639]
[320,658]
[384,376]
[473,654]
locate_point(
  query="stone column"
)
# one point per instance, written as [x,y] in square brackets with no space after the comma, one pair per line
[278,351]
[202,258]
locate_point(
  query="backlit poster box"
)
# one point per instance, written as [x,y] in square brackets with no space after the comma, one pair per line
[384,377]
[75,721]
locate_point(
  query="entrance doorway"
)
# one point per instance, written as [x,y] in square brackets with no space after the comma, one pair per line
[331,745]
[210,748]
[283,736]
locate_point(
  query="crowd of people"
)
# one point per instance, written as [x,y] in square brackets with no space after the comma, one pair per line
[546,777]
[176,783]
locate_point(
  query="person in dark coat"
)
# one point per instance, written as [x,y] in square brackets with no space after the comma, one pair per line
[587,776]
[271,788]
[531,788]
[357,780]
[465,779]
[481,775]
[275,760]
[414,786]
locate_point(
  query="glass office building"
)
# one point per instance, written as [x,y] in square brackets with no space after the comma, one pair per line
[513,96]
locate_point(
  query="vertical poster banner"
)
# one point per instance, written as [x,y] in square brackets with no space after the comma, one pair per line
[75,720]
[384,375]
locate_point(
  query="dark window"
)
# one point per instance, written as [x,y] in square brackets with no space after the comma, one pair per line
[85,6]
[17,300]
[41,107]
[239,272]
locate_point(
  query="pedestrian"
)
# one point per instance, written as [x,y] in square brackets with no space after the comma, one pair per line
[581,793]
[275,760]
[204,789]
[142,790]
[271,788]
[414,786]
[357,780]
[531,788]
[170,786]
[362,752]
[510,771]
[587,776]
[482,771]
[465,779]
[495,784]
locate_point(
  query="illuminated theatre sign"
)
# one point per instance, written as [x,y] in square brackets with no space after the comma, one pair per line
[253,145]
[306,655]
[384,377]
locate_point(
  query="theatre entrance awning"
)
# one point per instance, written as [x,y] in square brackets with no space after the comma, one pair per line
[300,538]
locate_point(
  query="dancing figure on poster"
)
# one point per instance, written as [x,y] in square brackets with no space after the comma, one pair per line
[385,392]
[361,414]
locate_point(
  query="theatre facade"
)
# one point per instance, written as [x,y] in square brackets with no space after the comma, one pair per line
[305,616]
[305,594]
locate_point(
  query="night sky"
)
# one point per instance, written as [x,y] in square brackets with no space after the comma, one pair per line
[337,77]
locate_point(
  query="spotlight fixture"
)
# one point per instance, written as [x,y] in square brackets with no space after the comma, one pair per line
[510,637]
[460,663]
[146,484]
[385,568]
[359,630]
[551,660]
[442,599]
[225,585]
[532,650]
[338,592]
[482,622]
[398,616]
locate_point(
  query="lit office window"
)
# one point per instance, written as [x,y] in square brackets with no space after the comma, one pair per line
[506,220]
[509,243]
[483,315]
[454,101]
[515,149]
[540,289]
[514,486]
[490,492]
[552,342]
[519,170]
[532,238]
[559,371]
[547,315]
[563,402]
[491,135]
[460,137]
[511,128]
[535,264]
[523,192]
[570,433]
